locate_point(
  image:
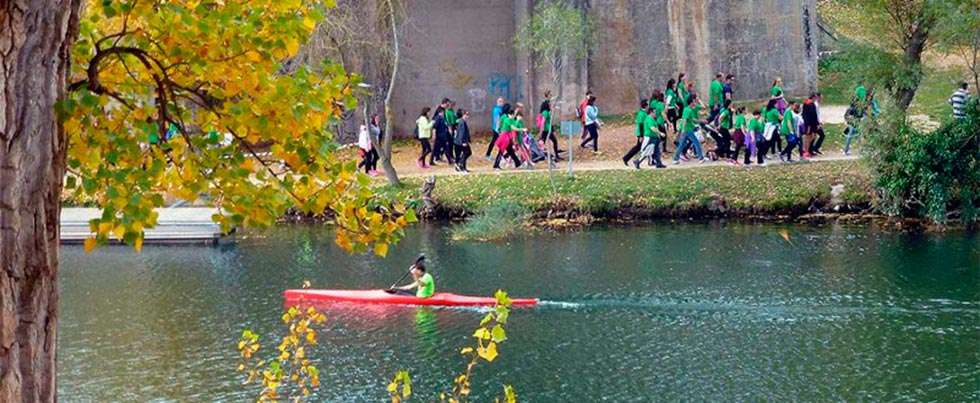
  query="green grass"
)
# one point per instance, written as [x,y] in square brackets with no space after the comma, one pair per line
[775,189]
[837,87]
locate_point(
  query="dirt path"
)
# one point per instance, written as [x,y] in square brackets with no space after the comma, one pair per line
[613,144]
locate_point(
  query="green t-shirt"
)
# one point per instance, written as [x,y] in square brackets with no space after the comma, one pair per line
[658,110]
[772,116]
[725,117]
[546,121]
[756,126]
[639,120]
[682,91]
[776,91]
[515,123]
[861,93]
[715,93]
[690,118]
[675,100]
[789,124]
[450,117]
[505,125]
[427,286]
[740,122]
[649,122]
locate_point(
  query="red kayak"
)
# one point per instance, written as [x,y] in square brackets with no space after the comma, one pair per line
[382,297]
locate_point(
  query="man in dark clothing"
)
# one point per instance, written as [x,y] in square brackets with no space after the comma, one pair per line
[811,125]
[728,90]
[442,139]
[462,141]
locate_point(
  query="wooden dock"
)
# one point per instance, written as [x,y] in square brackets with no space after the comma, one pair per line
[175,225]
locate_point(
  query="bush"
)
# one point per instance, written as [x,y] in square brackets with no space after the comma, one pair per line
[496,221]
[927,174]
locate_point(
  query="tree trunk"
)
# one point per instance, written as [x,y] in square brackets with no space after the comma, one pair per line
[35,40]
[389,115]
[914,46]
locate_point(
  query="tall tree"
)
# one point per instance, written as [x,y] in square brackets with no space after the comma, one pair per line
[35,39]
[177,99]
[891,37]
[960,36]
[558,33]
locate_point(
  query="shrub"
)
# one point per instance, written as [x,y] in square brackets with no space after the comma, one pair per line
[927,174]
[496,221]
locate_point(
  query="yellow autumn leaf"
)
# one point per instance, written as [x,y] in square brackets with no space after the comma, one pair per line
[90,244]
[381,249]
[488,353]
[138,244]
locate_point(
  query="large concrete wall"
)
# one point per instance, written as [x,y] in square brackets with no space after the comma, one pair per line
[641,44]
[463,50]
[457,49]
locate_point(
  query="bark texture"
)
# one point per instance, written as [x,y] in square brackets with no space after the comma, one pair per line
[35,41]
[915,45]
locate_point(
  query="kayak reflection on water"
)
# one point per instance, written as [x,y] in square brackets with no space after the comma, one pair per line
[423,282]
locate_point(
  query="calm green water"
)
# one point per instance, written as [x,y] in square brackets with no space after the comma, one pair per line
[687,312]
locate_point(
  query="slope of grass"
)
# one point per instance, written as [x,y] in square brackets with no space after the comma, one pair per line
[679,192]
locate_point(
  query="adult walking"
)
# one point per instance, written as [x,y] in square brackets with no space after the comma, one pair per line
[716,97]
[505,143]
[689,120]
[498,111]
[592,124]
[547,127]
[638,120]
[580,112]
[654,118]
[423,132]
[675,106]
[812,128]
[442,138]
[462,141]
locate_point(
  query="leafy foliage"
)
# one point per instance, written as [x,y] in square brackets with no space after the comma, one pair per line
[184,99]
[290,372]
[488,335]
[927,174]
[887,38]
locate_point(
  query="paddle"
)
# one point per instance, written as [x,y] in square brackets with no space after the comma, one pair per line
[417,261]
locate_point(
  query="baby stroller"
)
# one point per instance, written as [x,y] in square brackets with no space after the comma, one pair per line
[533,148]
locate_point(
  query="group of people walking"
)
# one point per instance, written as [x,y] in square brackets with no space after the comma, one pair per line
[776,129]
[444,137]
[674,114]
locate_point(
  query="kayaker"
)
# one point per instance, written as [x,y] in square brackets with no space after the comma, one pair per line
[424,284]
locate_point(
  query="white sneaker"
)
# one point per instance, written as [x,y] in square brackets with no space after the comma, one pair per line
[676,162]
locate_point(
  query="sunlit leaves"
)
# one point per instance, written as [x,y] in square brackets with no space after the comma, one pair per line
[400,387]
[190,100]
[290,372]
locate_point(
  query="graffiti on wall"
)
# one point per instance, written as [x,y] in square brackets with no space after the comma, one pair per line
[504,86]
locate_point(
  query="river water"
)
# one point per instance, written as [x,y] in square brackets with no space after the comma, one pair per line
[685,312]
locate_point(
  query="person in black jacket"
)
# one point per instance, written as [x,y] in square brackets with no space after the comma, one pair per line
[462,141]
[811,126]
[440,148]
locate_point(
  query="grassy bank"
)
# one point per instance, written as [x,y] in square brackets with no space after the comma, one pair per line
[717,190]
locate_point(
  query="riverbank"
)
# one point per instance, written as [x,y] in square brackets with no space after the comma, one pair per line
[785,190]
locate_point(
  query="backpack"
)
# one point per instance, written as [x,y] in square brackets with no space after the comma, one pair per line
[539,122]
[416,131]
